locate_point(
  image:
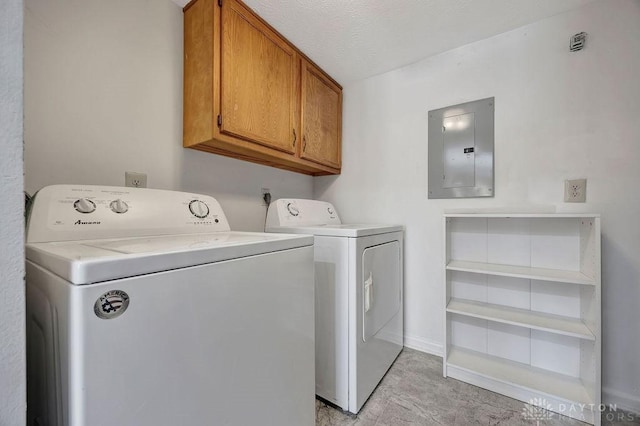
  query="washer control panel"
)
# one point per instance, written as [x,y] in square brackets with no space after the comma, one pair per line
[80,212]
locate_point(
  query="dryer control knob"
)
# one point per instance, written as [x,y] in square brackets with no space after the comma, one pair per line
[293,210]
[84,205]
[199,209]
[330,210]
[119,206]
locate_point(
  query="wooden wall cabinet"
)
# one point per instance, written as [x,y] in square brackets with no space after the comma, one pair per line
[321,117]
[250,94]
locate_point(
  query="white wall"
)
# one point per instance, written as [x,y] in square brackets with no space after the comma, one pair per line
[103,95]
[12,309]
[558,115]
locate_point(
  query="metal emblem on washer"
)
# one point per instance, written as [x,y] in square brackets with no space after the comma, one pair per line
[111,304]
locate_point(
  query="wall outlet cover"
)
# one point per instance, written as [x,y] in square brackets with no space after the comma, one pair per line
[135,179]
[575,191]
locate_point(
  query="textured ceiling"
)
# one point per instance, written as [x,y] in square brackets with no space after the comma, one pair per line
[356,39]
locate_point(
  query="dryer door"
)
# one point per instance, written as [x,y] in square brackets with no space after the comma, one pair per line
[381,287]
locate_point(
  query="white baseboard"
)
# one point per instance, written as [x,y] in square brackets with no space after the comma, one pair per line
[622,400]
[423,345]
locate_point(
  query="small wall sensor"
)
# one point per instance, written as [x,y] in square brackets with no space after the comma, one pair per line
[578,42]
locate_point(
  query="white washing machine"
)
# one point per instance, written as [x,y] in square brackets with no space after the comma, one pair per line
[359,309]
[144,309]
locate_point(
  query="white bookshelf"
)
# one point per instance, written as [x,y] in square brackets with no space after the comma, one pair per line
[522,308]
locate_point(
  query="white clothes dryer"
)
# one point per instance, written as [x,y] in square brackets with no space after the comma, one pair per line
[145,309]
[359,307]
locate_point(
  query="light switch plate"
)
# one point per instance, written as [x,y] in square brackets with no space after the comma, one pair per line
[575,191]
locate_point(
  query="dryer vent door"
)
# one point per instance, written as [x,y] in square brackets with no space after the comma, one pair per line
[381,287]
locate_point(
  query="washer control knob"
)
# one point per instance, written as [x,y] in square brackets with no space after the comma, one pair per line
[330,210]
[119,206]
[293,210]
[84,205]
[199,209]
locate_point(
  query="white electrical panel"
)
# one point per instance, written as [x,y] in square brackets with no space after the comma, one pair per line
[461,150]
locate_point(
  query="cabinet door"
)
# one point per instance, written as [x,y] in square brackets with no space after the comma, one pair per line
[259,77]
[321,117]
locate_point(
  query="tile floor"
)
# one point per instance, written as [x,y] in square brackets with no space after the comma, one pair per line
[414,393]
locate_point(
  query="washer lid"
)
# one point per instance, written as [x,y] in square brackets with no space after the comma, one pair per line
[90,261]
[343,230]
